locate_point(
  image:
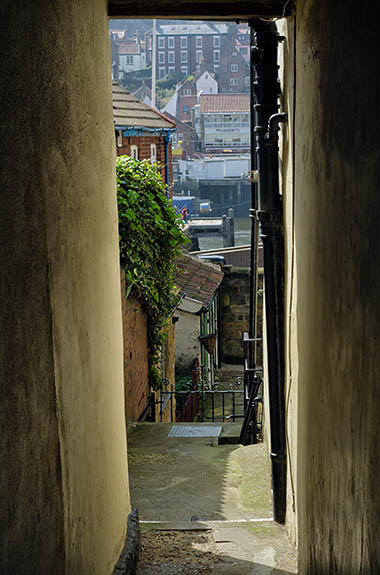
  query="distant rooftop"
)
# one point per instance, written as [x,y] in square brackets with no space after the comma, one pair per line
[129,47]
[130,112]
[224,103]
[189,29]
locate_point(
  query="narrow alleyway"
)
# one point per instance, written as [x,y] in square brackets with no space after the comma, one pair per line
[204,505]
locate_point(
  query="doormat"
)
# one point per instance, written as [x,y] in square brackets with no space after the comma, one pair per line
[195,431]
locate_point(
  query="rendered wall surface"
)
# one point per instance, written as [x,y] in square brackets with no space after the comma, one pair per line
[337,244]
[286,55]
[187,345]
[64,481]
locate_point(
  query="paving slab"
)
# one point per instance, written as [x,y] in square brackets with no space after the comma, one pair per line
[216,495]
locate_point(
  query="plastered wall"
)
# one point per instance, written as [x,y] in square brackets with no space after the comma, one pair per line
[333,327]
[63,479]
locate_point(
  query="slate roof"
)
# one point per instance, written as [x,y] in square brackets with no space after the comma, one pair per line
[185,29]
[130,112]
[197,279]
[224,103]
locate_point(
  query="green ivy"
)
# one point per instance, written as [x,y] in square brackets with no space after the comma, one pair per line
[150,239]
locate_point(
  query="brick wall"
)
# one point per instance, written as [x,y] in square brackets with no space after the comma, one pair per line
[235,313]
[144,153]
[135,336]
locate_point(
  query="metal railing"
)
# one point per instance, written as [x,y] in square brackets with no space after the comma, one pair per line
[207,405]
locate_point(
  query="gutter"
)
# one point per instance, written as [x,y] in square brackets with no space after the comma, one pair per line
[269,215]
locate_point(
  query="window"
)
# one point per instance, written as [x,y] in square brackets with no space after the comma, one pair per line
[174,138]
[187,92]
[129,60]
[171,42]
[244,50]
[233,81]
[183,42]
[234,67]
[161,42]
[180,137]
[216,68]
[171,70]
[134,152]
[234,53]
[216,41]
[198,42]
[161,57]
[161,72]
[185,109]
[183,57]
[246,81]
[198,56]
[183,69]
[153,154]
[171,57]
[216,55]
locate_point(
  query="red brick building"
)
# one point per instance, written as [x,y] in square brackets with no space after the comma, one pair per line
[181,48]
[143,133]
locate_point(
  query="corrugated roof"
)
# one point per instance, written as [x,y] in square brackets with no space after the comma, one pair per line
[197,279]
[224,103]
[130,112]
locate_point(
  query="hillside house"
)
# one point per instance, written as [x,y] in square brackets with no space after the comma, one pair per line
[198,316]
[222,122]
[143,133]
[131,56]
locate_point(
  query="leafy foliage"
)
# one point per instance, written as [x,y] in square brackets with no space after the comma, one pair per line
[150,238]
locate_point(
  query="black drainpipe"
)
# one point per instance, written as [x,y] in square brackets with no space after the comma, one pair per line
[269,215]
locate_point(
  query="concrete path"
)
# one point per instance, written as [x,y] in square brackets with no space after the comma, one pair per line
[204,507]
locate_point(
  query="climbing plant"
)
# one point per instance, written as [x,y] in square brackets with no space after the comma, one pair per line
[150,239]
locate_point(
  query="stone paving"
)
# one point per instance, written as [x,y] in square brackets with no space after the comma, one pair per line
[204,507]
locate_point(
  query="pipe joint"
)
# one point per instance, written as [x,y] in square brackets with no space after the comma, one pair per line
[278,457]
[272,133]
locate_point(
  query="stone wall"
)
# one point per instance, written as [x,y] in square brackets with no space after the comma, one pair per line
[235,292]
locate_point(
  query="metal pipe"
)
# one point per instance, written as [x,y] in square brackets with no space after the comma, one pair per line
[269,215]
[254,224]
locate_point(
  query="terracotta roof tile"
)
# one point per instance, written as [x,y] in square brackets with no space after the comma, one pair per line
[197,279]
[224,103]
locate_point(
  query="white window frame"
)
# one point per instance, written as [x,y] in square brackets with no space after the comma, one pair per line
[129,60]
[161,42]
[184,70]
[233,81]
[171,57]
[216,55]
[161,72]
[153,154]
[183,57]
[198,56]
[183,42]
[135,152]
[216,42]
[171,70]
[161,57]
[171,42]
[199,42]
[234,68]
